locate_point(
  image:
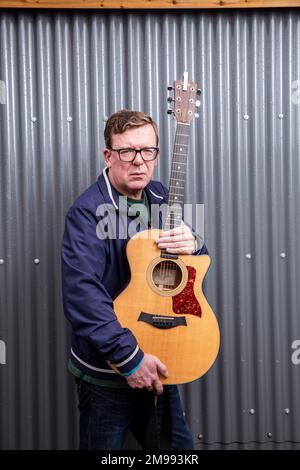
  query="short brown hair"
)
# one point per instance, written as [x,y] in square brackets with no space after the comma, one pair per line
[125,119]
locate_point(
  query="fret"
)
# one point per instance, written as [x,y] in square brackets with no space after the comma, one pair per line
[181,145]
[175,212]
[175,208]
[174,216]
[173,223]
[177,178]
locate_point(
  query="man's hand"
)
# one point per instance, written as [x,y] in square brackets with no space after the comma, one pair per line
[147,374]
[179,240]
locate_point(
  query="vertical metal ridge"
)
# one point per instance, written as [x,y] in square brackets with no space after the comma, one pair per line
[64,74]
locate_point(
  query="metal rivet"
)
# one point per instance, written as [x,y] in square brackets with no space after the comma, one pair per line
[36,261]
[69,119]
[252,411]
[248,256]
[200,436]
[34,119]
[282,255]
[269,434]
[287,411]
[280,115]
[2,261]
[246,117]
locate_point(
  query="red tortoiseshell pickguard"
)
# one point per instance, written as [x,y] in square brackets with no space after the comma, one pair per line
[186,301]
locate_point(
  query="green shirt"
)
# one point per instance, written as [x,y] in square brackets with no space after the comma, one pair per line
[142,206]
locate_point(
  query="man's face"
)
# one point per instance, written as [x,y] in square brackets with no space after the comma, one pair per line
[130,178]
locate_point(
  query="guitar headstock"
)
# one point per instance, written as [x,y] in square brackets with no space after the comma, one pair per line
[184,102]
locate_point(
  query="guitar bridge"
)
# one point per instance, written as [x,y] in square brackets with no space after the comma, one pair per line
[162,322]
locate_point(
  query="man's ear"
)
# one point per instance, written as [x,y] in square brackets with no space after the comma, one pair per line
[106,155]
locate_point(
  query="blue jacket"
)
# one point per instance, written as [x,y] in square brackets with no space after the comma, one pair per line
[94,271]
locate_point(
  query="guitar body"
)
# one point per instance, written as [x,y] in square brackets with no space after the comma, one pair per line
[166,310]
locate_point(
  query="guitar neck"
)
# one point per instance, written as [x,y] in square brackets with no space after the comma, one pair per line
[178,177]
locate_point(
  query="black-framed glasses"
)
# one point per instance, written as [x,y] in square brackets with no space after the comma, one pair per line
[129,154]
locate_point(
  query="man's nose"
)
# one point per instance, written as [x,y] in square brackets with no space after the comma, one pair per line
[138,159]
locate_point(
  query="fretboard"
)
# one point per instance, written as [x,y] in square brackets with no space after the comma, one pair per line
[178,177]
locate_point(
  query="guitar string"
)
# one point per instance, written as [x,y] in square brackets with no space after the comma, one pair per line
[168,266]
[179,145]
[182,141]
[171,217]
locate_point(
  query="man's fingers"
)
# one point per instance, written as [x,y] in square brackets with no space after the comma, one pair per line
[176,239]
[178,244]
[162,369]
[147,376]
[158,387]
[175,231]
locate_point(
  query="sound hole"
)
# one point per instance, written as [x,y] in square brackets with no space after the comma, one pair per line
[167,275]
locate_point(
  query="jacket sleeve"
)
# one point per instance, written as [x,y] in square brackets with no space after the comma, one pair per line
[87,303]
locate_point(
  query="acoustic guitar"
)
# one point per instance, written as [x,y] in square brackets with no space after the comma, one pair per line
[164,305]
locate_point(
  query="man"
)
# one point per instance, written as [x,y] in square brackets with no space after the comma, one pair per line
[116,379]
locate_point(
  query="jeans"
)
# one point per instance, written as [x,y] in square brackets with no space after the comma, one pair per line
[106,415]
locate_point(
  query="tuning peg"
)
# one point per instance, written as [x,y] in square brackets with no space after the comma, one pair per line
[170,88]
[170,111]
[197,103]
[170,99]
[196,115]
[199,92]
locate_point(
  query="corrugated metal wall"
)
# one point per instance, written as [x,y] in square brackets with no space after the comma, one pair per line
[61,74]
